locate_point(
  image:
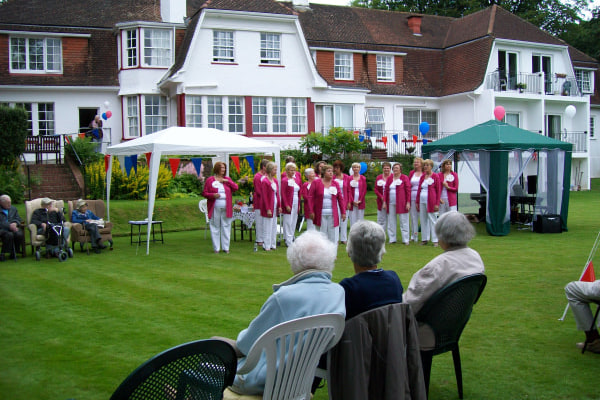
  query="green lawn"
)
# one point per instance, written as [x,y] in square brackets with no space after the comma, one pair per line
[76,329]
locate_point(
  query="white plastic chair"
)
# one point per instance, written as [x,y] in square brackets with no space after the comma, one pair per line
[293,350]
[204,209]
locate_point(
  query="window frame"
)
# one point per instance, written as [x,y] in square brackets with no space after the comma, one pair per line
[260,119]
[375,119]
[299,115]
[223,52]
[413,127]
[343,66]
[279,114]
[214,112]
[235,114]
[152,120]
[132,117]
[27,53]
[193,111]
[385,68]
[160,48]
[270,50]
[130,43]
[585,83]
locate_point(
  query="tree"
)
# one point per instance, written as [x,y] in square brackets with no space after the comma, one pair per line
[584,36]
[13,131]
[551,15]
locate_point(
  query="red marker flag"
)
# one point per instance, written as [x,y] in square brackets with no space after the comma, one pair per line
[174,165]
[588,274]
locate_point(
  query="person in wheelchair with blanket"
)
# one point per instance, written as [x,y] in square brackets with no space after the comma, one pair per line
[49,221]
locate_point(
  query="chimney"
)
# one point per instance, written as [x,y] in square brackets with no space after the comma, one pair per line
[414,24]
[173,11]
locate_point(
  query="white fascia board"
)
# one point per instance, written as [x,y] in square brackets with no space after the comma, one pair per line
[391,53]
[231,14]
[46,34]
[61,88]
[536,45]
[148,24]
[318,81]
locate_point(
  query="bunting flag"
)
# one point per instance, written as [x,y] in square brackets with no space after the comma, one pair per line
[425,141]
[361,138]
[128,165]
[250,160]
[134,162]
[395,137]
[588,274]
[68,139]
[384,139]
[368,132]
[373,141]
[106,160]
[415,140]
[357,133]
[148,155]
[174,165]
[236,162]
[197,162]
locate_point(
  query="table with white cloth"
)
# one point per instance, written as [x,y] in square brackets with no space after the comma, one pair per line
[243,221]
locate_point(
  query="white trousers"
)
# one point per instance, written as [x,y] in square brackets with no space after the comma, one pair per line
[444,207]
[428,221]
[220,229]
[343,227]
[258,223]
[579,294]
[269,233]
[355,215]
[382,217]
[289,225]
[414,221]
[332,232]
[392,226]
[310,226]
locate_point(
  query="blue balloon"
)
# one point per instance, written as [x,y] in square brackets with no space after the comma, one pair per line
[423,128]
[104,117]
[425,141]
[363,168]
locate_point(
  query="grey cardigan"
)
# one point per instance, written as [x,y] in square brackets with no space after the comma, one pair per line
[378,357]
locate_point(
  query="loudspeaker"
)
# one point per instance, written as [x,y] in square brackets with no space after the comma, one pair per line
[550,223]
[532,184]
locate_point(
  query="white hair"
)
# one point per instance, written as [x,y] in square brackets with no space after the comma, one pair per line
[366,243]
[454,229]
[311,250]
[307,171]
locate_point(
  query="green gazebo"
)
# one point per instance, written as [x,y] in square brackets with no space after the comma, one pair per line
[489,147]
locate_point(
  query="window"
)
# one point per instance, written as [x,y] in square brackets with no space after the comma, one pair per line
[512,119]
[584,80]
[299,116]
[215,112]
[413,118]
[223,46]
[543,64]
[157,47]
[33,55]
[259,115]
[338,115]
[270,50]
[193,111]
[375,121]
[155,114]
[385,68]
[507,67]
[343,66]
[46,118]
[279,114]
[131,48]
[133,117]
[236,114]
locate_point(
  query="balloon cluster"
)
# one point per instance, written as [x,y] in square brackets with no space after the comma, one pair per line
[424,128]
[107,114]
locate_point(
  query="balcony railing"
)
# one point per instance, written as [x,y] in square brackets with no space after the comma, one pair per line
[577,138]
[536,83]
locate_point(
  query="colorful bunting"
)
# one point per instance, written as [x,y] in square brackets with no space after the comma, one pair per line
[197,165]
[368,132]
[148,155]
[384,140]
[415,140]
[236,162]
[106,159]
[250,160]
[425,141]
[361,138]
[128,165]
[395,137]
[174,165]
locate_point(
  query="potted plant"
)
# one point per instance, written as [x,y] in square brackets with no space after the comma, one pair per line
[410,149]
[521,86]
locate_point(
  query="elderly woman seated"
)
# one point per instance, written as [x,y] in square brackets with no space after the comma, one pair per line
[454,231]
[309,292]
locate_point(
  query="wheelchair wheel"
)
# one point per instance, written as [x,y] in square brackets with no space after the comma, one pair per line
[38,256]
[70,252]
[62,256]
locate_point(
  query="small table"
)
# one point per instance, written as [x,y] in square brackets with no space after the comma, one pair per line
[246,222]
[139,224]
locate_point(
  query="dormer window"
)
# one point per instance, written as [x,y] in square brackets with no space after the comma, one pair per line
[385,68]
[343,66]
[150,47]
[584,80]
[35,55]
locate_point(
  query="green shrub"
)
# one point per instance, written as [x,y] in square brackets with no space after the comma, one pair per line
[337,144]
[12,182]
[84,149]
[13,132]
[187,184]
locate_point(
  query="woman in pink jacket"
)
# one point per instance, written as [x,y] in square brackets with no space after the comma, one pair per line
[397,203]
[428,202]
[218,191]
[449,181]
[325,198]
[290,189]
[343,181]
[270,206]
[414,177]
[355,195]
[378,188]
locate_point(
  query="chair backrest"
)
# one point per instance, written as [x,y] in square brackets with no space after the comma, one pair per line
[202,205]
[293,350]
[32,205]
[95,206]
[449,309]
[199,370]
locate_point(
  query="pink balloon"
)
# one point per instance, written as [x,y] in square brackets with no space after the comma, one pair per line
[108,114]
[499,112]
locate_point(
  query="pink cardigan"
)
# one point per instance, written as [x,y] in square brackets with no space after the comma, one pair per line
[267,200]
[452,189]
[316,201]
[287,192]
[379,191]
[257,188]
[362,191]
[402,194]
[209,192]
[433,192]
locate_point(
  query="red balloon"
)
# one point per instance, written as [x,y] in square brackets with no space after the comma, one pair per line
[108,114]
[499,112]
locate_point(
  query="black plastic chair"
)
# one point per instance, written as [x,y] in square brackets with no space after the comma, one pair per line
[447,313]
[198,370]
[593,326]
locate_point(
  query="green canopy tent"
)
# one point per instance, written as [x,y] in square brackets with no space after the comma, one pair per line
[493,143]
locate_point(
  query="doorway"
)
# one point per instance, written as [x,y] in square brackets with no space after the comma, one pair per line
[86,116]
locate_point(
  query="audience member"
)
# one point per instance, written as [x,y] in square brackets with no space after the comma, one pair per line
[580,294]
[11,234]
[309,292]
[46,215]
[81,215]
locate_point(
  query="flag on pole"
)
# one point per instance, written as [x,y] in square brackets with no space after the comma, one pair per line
[588,274]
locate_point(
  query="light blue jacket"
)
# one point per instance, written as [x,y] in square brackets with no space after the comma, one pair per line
[310,292]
